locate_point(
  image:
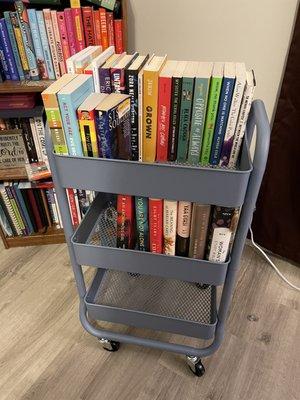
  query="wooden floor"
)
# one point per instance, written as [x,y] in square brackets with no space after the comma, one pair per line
[45,353]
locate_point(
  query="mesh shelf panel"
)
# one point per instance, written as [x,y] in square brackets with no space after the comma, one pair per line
[165,297]
[104,232]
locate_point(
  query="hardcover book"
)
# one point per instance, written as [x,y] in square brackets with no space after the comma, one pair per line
[125,221]
[117,73]
[21,48]
[142,227]
[45,44]
[183,228]
[169,226]
[199,228]
[156,225]
[8,51]
[38,48]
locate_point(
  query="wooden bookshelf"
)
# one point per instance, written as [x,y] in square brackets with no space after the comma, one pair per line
[24,86]
[51,236]
[36,111]
[11,174]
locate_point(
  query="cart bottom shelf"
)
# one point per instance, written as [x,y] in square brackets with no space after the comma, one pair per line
[151,302]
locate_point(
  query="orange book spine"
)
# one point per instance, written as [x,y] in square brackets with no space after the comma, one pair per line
[104,31]
[88,25]
[97,27]
[110,28]
[119,42]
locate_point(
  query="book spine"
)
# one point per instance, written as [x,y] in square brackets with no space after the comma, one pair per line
[72,207]
[163,119]
[97,27]
[142,227]
[60,55]
[183,228]
[88,132]
[156,225]
[63,36]
[21,48]
[8,52]
[23,209]
[232,121]
[88,23]
[105,81]
[106,134]
[14,45]
[125,221]
[110,28]
[58,209]
[40,129]
[104,31]
[116,76]
[174,118]
[83,202]
[123,130]
[241,125]
[169,226]
[199,228]
[54,218]
[185,118]
[10,210]
[27,39]
[223,225]
[119,42]
[198,119]
[212,109]
[140,113]
[51,40]
[79,34]
[4,63]
[77,206]
[16,210]
[71,31]
[36,141]
[28,141]
[221,121]
[131,78]
[45,44]
[40,59]
[5,221]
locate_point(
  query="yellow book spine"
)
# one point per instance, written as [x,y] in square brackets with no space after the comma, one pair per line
[75,3]
[150,89]
[21,48]
[83,138]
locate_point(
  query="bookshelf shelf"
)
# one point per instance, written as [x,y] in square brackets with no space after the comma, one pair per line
[24,86]
[10,174]
[36,111]
[51,236]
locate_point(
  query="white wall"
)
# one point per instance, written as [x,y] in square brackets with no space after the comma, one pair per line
[255,31]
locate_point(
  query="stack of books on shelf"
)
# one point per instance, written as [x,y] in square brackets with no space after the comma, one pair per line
[35,44]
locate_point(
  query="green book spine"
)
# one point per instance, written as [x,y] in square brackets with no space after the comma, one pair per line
[213,102]
[174,118]
[185,118]
[198,119]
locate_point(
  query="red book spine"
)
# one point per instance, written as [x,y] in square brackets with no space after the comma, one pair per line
[119,42]
[88,24]
[156,225]
[104,31]
[97,28]
[72,206]
[78,25]
[163,117]
[35,210]
[125,221]
[110,28]
[71,31]
[63,35]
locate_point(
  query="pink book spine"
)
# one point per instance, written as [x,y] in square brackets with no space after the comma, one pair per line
[63,35]
[78,25]
[60,55]
[70,30]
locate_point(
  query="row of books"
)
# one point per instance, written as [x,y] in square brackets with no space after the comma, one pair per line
[35,44]
[27,208]
[168,227]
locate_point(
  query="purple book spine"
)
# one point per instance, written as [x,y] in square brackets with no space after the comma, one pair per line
[8,51]
[105,82]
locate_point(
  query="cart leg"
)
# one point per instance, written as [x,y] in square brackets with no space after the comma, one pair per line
[195,365]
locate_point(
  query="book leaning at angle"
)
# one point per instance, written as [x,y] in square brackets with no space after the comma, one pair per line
[86,58]
[70,62]
[169,226]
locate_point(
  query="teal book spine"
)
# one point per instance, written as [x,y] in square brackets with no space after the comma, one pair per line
[201,90]
[185,118]
[45,44]
[14,46]
[142,225]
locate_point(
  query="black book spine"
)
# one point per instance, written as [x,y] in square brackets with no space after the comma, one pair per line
[131,79]
[174,118]
[29,209]
[87,134]
[183,228]
[40,205]
[28,140]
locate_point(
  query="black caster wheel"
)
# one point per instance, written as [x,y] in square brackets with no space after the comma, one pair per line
[196,366]
[202,286]
[109,345]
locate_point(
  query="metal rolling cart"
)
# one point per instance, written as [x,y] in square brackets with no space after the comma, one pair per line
[157,291]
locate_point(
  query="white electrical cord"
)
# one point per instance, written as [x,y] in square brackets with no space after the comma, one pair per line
[271,263]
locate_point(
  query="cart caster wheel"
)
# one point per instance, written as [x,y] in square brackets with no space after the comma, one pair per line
[196,366]
[202,286]
[109,345]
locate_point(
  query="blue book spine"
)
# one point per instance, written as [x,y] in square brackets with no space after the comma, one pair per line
[41,64]
[4,65]
[221,121]
[45,44]
[8,52]
[23,209]
[105,81]
[142,226]
[106,134]
[14,45]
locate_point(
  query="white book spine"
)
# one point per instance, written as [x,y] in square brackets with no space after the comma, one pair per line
[96,77]
[140,114]
[36,140]
[169,226]
[52,44]
[58,210]
[220,245]
[40,129]
[54,210]
[60,55]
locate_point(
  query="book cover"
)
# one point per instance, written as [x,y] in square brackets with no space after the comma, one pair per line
[60,55]
[223,112]
[14,45]
[97,27]
[119,41]
[71,31]
[142,227]
[242,119]
[45,44]
[131,85]
[27,39]
[164,110]
[36,38]
[125,221]
[169,226]
[199,228]
[175,110]
[117,73]
[10,210]
[78,25]
[88,24]
[223,226]
[104,30]
[69,99]
[96,65]
[19,39]
[156,225]
[184,214]
[8,52]
[185,110]
[212,109]
[200,99]
[51,41]
[110,28]
[63,36]
[150,96]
